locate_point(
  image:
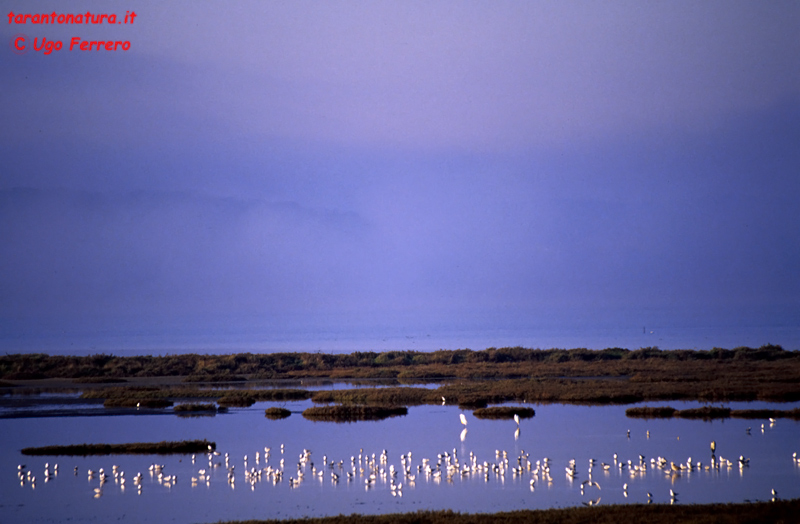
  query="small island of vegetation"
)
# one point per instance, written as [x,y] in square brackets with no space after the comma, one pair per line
[353,413]
[195,408]
[711,412]
[136,448]
[503,412]
[277,413]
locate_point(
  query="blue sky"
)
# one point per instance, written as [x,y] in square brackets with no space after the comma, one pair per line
[402,165]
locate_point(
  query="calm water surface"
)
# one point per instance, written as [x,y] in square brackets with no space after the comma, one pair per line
[558,432]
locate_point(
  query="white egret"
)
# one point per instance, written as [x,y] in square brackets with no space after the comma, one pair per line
[463,419]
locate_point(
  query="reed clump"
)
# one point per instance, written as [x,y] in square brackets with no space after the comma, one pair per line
[192,408]
[353,413]
[651,412]
[277,413]
[393,396]
[504,412]
[708,413]
[135,448]
[705,413]
[240,400]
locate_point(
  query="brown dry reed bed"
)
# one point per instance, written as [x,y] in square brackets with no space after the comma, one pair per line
[512,362]
[780,511]
[709,412]
[609,376]
[191,408]
[229,397]
[503,412]
[277,413]
[136,448]
[353,413]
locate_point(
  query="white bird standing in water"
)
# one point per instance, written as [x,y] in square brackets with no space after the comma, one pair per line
[516,419]
[463,419]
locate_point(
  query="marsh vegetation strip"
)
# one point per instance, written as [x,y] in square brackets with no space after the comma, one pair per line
[512,362]
[353,413]
[778,511]
[471,394]
[195,407]
[136,448]
[478,378]
[504,412]
[169,392]
[710,412]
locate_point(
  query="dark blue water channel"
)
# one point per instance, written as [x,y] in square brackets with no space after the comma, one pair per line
[480,482]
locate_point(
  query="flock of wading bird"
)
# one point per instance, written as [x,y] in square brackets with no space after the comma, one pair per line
[372,470]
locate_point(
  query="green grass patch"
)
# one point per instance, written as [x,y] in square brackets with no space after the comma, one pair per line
[136,448]
[503,412]
[353,413]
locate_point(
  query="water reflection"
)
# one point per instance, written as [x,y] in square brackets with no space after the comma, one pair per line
[564,456]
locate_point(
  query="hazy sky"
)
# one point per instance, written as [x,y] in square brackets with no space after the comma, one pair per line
[402,164]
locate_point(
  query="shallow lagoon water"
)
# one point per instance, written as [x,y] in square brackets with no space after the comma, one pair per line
[559,432]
